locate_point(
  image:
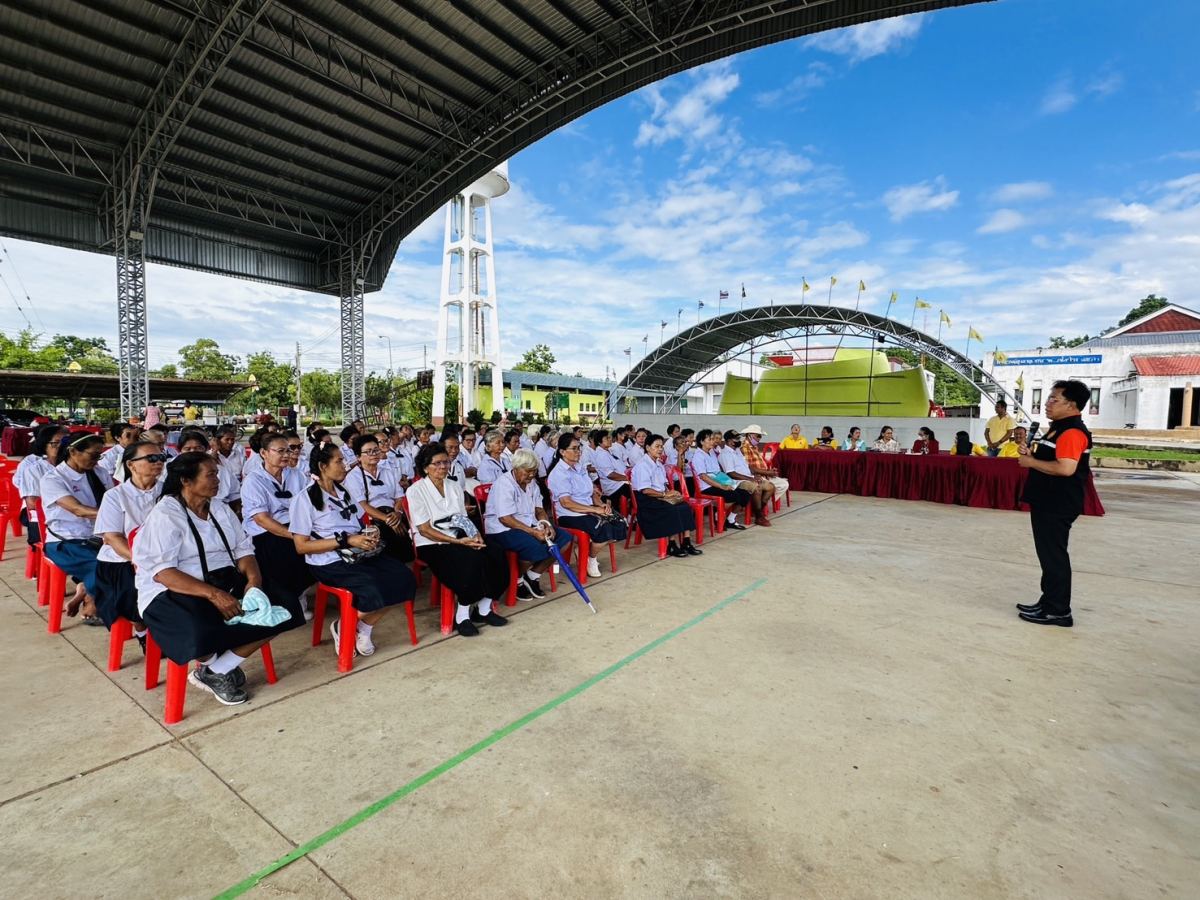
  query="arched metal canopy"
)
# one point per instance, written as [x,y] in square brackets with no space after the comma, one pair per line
[671,367]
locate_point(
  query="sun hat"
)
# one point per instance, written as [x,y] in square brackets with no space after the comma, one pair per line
[754,429]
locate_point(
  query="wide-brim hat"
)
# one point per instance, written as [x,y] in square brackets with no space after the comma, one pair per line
[754,429]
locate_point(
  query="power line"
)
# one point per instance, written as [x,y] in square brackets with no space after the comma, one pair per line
[16,301]
[24,290]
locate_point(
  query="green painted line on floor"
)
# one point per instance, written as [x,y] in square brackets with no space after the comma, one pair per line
[380,805]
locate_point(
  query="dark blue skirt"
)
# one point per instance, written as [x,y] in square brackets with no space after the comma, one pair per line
[600,532]
[526,546]
[116,594]
[280,564]
[659,519]
[76,559]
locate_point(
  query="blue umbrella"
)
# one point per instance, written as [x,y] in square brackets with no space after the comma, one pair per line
[557,554]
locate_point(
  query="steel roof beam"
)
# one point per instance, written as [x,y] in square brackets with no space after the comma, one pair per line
[532,22]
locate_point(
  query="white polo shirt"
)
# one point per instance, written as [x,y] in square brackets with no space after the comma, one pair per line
[263,494]
[62,482]
[649,475]
[507,498]
[340,513]
[633,453]
[606,464]
[28,479]
[235,462]
[733,462]
[489,470]
[378,490]
[567,481]
[123,509]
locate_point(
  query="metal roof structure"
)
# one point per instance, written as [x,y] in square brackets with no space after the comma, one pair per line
[670,368]
[296,142]
[16,383]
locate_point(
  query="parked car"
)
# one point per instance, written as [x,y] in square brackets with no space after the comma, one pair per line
[26,418]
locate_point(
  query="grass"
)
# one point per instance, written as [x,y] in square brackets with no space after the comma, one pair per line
[1118,453]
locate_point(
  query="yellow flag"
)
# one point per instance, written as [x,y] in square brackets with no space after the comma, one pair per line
[921,304]
[1021,382]
[805,283]
[971,332]
[1000,357]
[832,280]
[893,300]
[946,319]
[861,286]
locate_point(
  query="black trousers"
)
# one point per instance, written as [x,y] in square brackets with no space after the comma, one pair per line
[1050,535]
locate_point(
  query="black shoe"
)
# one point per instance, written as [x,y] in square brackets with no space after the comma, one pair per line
[239,677]
[677,552]
[736,526]
[220,686]
[466,629]
[1040,618]
[141,639]
[690,549]
[523,591]
[535,588]
[1029,607]
[494,619]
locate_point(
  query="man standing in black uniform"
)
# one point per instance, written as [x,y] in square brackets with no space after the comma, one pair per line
[1059,471]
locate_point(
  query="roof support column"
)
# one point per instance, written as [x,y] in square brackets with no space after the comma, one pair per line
[351,266]
[129,232]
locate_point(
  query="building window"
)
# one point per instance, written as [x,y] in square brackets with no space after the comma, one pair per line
[1037,400]
[1095,404]
[529,404]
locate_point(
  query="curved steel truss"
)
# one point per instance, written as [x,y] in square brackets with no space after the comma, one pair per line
[671,369]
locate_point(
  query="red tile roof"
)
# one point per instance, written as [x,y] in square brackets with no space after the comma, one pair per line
[1167,365]
[1171,320]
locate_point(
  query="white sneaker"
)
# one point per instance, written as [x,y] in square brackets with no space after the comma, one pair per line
[308,615]
[362,643]
[337,639]
[593,569]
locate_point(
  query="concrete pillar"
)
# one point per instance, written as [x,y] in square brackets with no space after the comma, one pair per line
[1187,406]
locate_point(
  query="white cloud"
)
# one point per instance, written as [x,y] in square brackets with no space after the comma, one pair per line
[1002,221]
[1062,95]
[691,117]
[927,196]
[861,42]
[1059,97]
[828,239]
[796,89]
[1021,191]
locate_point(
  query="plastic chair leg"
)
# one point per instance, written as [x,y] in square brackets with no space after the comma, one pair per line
[412,625]
[269,664]
[122,630]
[514,567]
[448,609]
[662,548]
[33,560]
[43,584]
[4,532]
[348,629]
[56,585]
[612,555]
[153,662]
[16,526]
[177,677]
[699,510]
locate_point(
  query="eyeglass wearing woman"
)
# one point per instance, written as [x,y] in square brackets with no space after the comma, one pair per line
[578,501]
[27,479]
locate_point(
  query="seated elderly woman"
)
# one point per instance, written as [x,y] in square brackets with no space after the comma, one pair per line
[577,501]
[494,463]
[475,571]
[886,442]
[194,566]
[715,483]
[610,469]
[195,441]
[267,494]
[515,521]
[27,479]
[662,512]
[123,510]
[71,496]
[376,489]
[326,528]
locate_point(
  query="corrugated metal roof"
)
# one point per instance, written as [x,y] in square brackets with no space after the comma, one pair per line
[1143,340]
[368,115]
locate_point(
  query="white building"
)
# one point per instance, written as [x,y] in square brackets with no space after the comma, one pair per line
[1137,373]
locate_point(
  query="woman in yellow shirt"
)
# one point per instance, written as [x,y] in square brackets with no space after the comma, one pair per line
[794,441]
[964,447]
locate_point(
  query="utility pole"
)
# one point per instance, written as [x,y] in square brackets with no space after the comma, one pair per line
[391,381]
[297,381]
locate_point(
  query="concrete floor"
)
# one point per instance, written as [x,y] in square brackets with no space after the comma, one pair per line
[872,721]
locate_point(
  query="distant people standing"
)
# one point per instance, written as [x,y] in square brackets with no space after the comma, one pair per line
[152,416]
[190,412]
[1059,471]
[999,428]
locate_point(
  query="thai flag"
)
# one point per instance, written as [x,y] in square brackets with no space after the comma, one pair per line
[724,295]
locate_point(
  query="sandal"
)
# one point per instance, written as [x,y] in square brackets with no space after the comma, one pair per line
[92,620]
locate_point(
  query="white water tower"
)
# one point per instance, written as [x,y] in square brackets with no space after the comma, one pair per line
[468,321]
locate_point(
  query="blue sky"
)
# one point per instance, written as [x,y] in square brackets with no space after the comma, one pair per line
[1031,167]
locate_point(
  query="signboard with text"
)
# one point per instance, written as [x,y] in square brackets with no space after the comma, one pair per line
[1078,359]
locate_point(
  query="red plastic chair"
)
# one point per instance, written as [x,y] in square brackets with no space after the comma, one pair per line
[699,505]
[52,582]
[177,677]
[582,544]
[636,533]
[720,501]
[347,622]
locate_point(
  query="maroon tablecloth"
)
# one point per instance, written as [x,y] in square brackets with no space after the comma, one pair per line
[982,482]
[16,441]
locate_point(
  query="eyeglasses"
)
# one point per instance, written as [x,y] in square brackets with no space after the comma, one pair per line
[151,458]
[439,464]
[575,448]
[375,452]
[96,455]
[295,448]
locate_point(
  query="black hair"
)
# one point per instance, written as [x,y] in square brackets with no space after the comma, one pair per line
[346,435]
[256,440]
[825,428]
[651,437]
[511,433]
[1004,403]
[70,442]
[678,441]
[601,434]
[883,429]
[640,430]
[564,441]
[317,435]
[159,427]
[450,430]
[702,435]
[928,431]
[361,440]
[962,444]
[270,438]
[686,432]
[195,436]
[1075,391]
[390,430]
[223,430]
[45,435]
[133,449]
[428,452]
[117,429]
[322,455]
[184,467]
[594,435]
[544,430]
[670,428]
[730,435]
[850,433]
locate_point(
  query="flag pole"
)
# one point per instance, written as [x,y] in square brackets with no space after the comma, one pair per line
[913,322]
[939,334]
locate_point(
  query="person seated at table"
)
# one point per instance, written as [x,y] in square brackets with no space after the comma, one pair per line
[124,509]
[705,468]
[194,564]
[795,440]
[227,452]
[325,522]
[886,442]
[734,464]
[825,441]
[267,495]
[662,512]
[1011,449]
[578,502]
[515,521]
[475,572]
[926,444]
[493,464]
[999,428]
[27,479]
[611,475]
[854,440]
[71,496]
[964,447]
[123,434]
[230,492]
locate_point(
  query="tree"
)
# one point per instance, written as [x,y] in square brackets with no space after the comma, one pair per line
[276,381]
[949,388]
[497,417]
[1059,343]
[204,361]
[450,410]
[1144,308]
[23,353]
[539,359]
[475,418]
[320,390]
[767,363]
[170,370]
[92,354]
[419,407]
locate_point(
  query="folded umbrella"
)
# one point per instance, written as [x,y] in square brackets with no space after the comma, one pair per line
[557,554]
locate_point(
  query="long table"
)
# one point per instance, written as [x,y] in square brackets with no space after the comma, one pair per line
[978,481]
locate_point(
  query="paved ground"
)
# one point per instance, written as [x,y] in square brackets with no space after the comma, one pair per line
[870,721]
